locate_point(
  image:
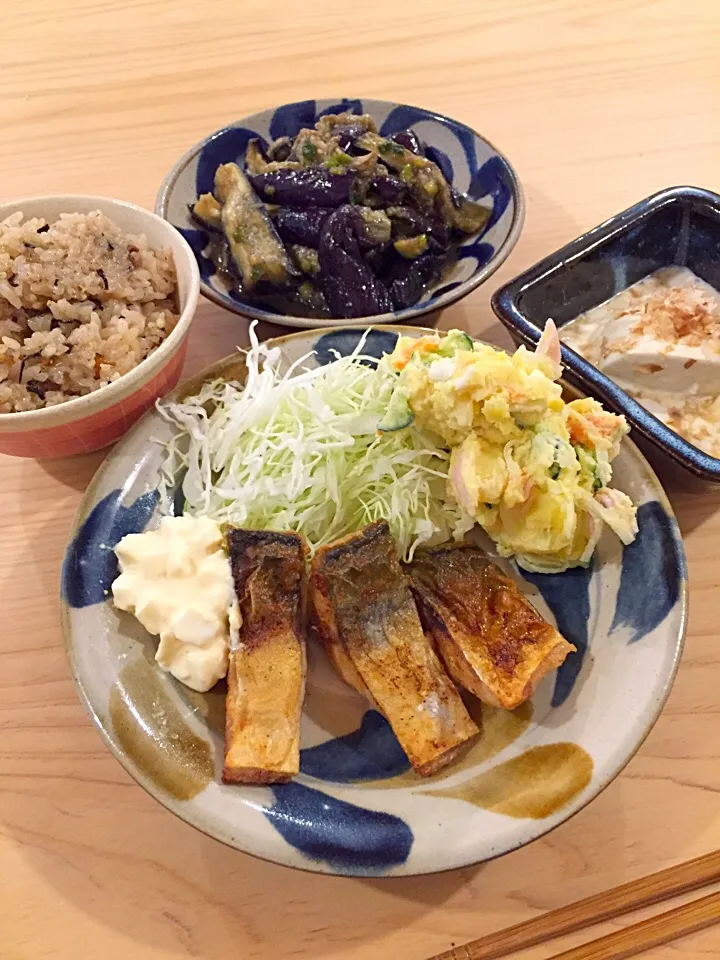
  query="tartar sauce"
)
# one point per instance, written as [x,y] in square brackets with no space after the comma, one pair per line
[176,580]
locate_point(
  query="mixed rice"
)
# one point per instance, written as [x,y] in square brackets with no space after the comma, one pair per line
[81,304]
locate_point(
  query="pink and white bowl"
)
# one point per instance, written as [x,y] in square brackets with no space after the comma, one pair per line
[98,419]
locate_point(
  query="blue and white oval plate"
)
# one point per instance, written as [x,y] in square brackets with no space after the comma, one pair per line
[468,161]
[356,808]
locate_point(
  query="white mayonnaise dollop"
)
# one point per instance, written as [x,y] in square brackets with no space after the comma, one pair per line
[176,580]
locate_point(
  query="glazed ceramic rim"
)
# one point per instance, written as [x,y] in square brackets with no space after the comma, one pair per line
[129,382]
[186,813]
[418,310]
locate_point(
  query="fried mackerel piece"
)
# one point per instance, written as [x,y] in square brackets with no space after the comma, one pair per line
[491,639]
[364,612]
[266,674]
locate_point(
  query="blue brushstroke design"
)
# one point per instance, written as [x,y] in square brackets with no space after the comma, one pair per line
[439,157]
[345,106]
[378,343]
[292,117]
[403,117]
[371,752]
[447,288]
[568,596]
[653,566]
[90,566]
[492,179]
[227,146]
[350,839]
[479,250]
[198,241]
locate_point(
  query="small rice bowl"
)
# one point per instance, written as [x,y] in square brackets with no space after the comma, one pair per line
[81,304]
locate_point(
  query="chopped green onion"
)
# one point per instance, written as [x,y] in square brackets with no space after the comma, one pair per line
[388,147]
[309,151]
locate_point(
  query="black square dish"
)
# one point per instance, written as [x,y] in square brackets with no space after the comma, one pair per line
[679,226]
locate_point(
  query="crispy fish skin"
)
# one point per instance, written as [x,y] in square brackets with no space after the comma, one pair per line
[266,674]
[491,639]
[369,621]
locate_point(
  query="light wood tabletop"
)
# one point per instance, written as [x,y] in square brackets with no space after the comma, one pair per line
[597,105]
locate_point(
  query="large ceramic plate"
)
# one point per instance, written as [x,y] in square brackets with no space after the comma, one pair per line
[356,808]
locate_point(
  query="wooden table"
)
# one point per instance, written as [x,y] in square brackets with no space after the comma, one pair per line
[597,105]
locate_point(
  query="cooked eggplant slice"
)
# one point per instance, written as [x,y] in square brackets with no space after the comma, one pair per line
[374,226]
[412,247]
[255,246]
[408,222]
[347,134]
[310,187]
[470,216]
[389,189]
[351,288]
[408,279]
[301,226]
[255,159]
[208,211]
[410,141]
[328,125]
[280,149]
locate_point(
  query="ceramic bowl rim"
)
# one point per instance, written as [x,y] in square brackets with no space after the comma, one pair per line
[105,397]
[504,303]
[176,807]
[400,316]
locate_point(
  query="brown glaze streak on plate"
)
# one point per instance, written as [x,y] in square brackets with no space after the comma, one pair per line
[152,732]
[210,706]
[498,729]
[533,785]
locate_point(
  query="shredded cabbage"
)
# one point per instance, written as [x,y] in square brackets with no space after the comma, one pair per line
[299,450]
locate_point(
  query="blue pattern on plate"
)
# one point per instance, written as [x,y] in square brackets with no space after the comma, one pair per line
[568,596]
[371,752]
[345,106]
[350,839]
[492,180]
[481,251]
[90,564]
[198,240]
[292,117]
[442,160]
[377,343]
[652,568]
[229,145]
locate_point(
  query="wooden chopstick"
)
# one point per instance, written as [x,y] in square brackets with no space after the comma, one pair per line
[660,929]
[643,892]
